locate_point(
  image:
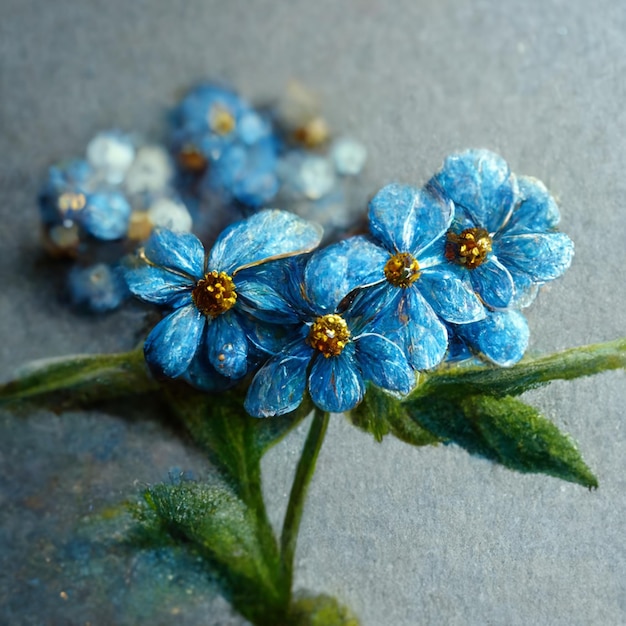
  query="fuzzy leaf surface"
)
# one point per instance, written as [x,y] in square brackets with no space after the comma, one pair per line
[214,522]
[505,431]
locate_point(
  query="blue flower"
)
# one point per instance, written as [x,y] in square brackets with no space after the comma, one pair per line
[501,338]
[211,118]
[211,294]
[406,277]
[246,173]
[106,215]
[64,192]
[80,193]
[98,288]
[333,352]
[502,236]
[219,136]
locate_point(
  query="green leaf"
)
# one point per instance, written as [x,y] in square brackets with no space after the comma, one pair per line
[380,414]
[471,406]
[320,610]
[503,430]
[217,524]
[528,373]
[526,441]
[212,517]
[235,442]
[77,381]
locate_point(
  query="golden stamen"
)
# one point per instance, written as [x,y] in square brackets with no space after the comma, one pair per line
[221,120]
[70,201]
[329,334]
[470,248]
[191,159]
[214,294]
[402,269]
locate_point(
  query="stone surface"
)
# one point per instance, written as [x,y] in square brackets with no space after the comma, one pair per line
[402,536]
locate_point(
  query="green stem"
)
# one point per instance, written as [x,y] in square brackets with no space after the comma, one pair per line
[528,374]
[297,497]
[253,496]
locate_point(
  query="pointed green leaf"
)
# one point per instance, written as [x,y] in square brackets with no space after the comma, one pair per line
[77,381]
[446,420]
[235,442]
[526,441]
[381,414]
[503,430]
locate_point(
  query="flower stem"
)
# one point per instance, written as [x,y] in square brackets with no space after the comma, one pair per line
[297,497]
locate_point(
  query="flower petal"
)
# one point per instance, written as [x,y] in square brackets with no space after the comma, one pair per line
[458,349]
[413,325]
[266,338]
[333,272]
[384,363]
[264,291]
[525,289]
[502,337]
[537,212]
[267,234]
[371,307]
[480,182]
[156,284]
[335,383]
[493,283]
[202,375]
[405,219]
[181,252]
[106,215]
[227,345]
[264,302]
[279,386]
[449,291]
[174,341]
[542,256]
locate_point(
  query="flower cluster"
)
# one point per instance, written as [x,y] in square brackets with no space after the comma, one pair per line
[229,151]
[221,138]
[226,159]
[442,273]
[121,189]
[119,192]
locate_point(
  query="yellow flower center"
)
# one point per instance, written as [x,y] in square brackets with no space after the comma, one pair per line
[191,159]
[402,270]
[221,120]
[214,294]
[470,248]
[329,334]
[71,202]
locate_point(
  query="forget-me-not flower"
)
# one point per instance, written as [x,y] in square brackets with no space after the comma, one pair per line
[406,277]
[219,136]
[502,235]
[211,118]
[333,352]
[211,294]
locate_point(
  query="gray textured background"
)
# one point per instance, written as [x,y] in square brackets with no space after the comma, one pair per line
[403,536]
